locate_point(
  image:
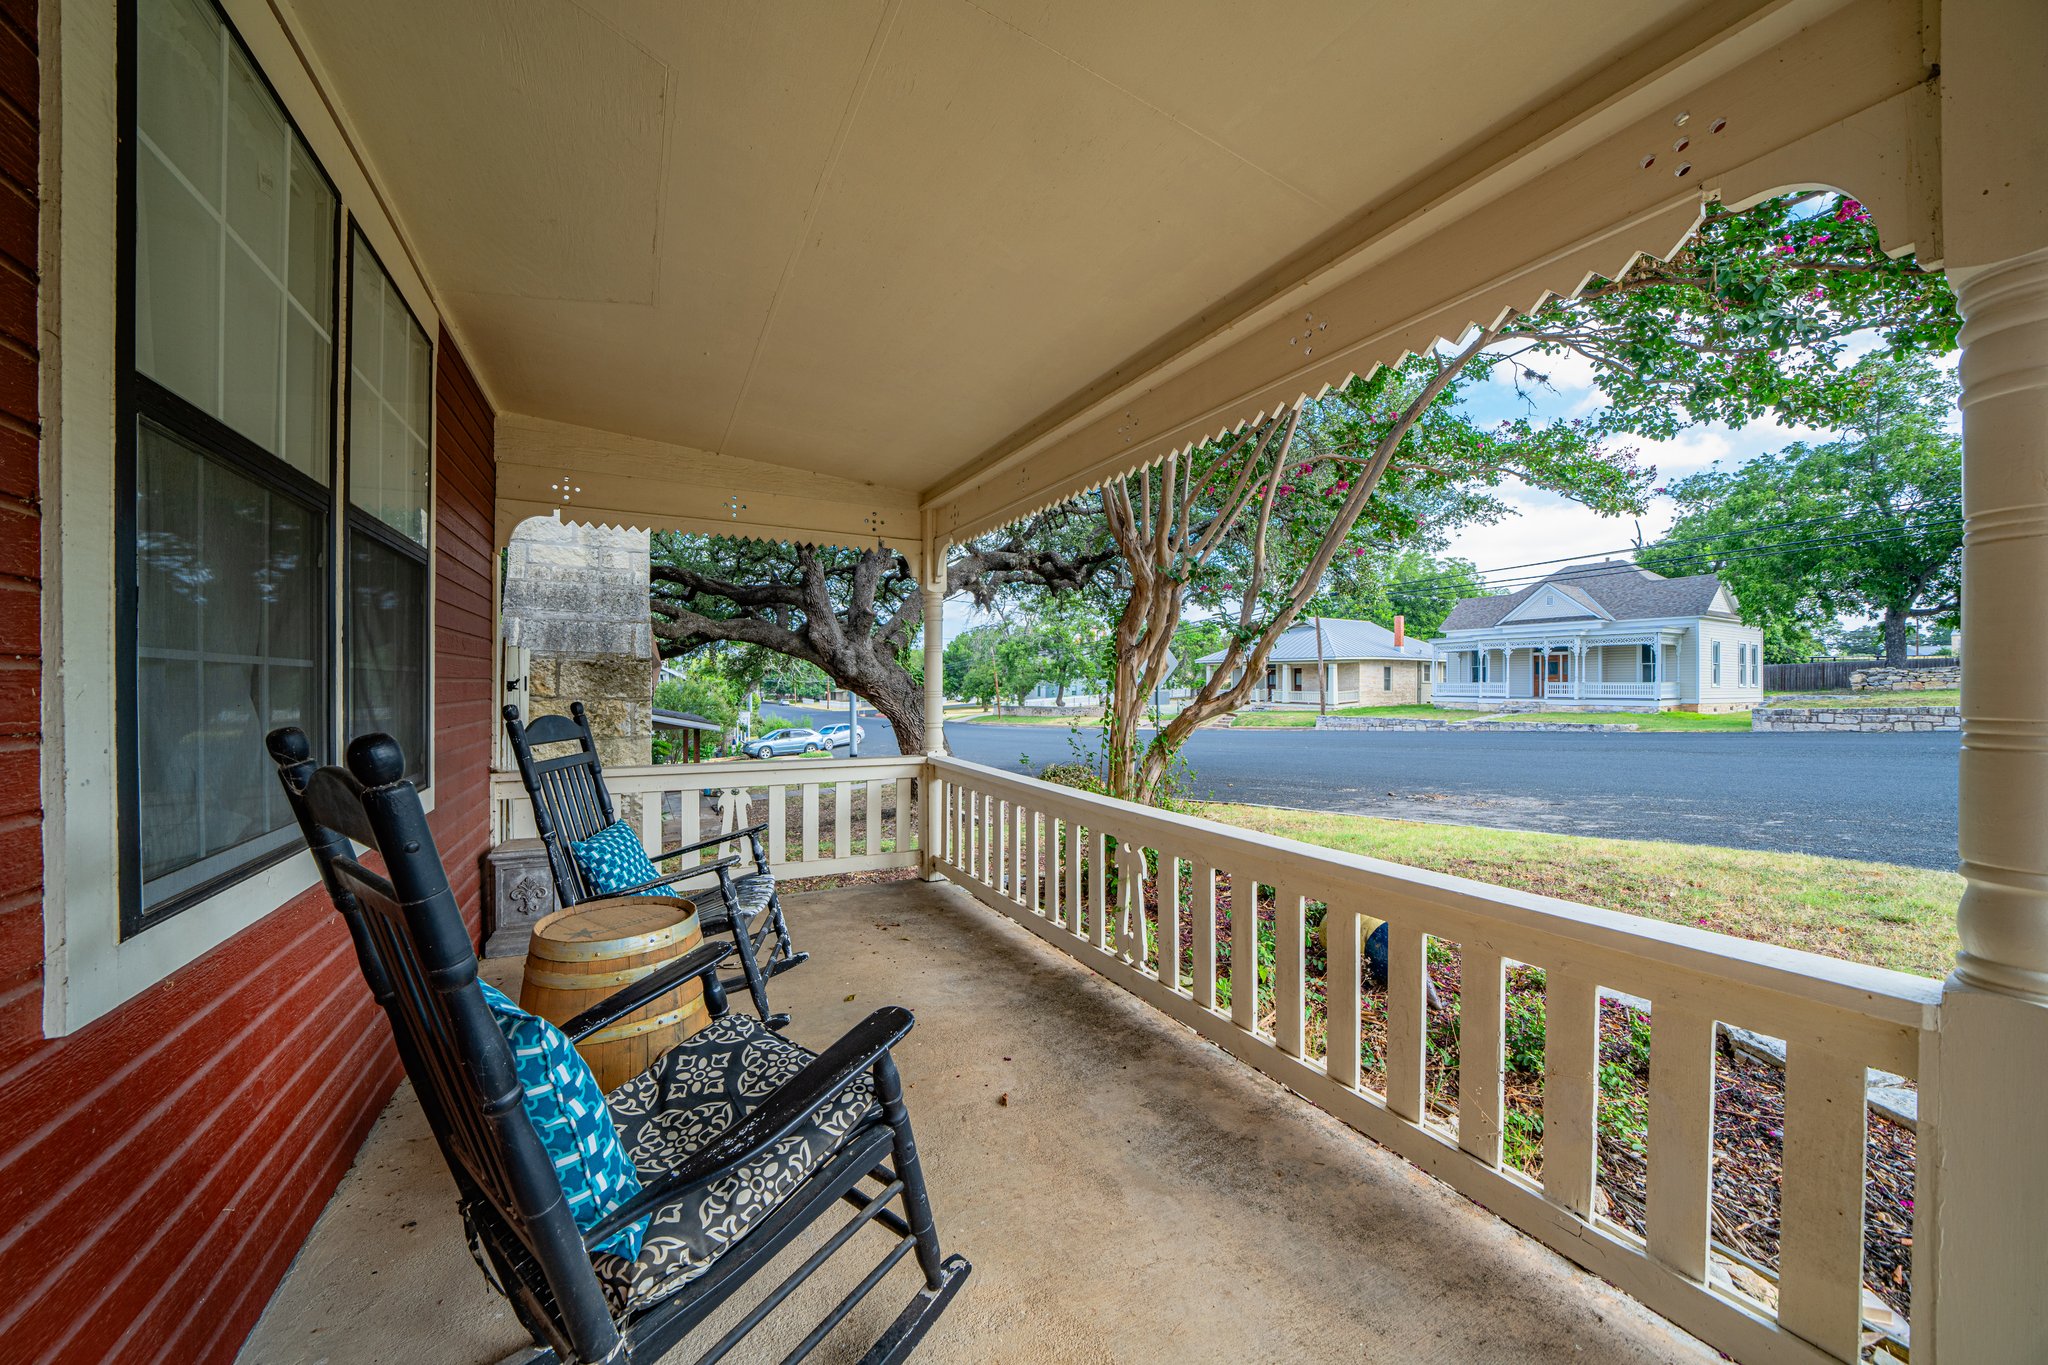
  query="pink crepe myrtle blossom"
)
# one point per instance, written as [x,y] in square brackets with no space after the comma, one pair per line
[1285,488]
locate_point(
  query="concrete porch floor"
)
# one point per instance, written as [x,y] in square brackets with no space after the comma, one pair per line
[1140,1196]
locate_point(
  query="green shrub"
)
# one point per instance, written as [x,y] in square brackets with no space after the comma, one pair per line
[1524,1034]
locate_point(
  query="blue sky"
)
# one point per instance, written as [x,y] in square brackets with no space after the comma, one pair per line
[1545,526]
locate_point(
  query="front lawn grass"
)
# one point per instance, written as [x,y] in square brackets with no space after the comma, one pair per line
[1837,701]
[1879,913]
[1306,720]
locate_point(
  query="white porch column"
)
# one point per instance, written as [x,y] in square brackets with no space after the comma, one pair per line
[1990,1112]
[932,587]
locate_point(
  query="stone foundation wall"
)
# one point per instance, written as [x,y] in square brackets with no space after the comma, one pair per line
[1906,679]
[1067,712]
[616,689]
[1876,719]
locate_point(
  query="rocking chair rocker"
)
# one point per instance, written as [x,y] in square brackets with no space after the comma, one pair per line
[740,1138]
[571,803]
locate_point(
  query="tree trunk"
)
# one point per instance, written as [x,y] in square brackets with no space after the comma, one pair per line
[1895,637]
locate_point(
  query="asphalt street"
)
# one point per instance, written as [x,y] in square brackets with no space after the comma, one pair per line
[1885,797]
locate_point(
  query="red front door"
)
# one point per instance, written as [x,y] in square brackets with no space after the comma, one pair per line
[1550,668]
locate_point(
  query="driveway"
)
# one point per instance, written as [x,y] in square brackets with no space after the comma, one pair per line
[1885,797]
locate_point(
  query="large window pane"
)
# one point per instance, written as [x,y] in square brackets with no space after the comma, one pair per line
[229,605]
[389,420]
[230,209]
[387,646]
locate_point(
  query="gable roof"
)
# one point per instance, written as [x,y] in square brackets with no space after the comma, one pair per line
[1342,640]
[1613,587]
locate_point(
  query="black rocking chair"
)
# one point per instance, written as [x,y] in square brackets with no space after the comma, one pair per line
[742,1139]
[571,803]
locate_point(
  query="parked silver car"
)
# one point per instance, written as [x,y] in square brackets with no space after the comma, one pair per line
[794,740]
[836,734]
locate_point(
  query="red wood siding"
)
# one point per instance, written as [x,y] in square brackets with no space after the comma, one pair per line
[159,1168]
[21,619]
[465,630]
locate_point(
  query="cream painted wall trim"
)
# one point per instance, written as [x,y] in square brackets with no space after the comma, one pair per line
[547,468]
[88,969]
[1501,231]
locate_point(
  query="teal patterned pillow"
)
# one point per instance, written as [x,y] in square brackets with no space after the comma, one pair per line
[568,1112]
[614,862]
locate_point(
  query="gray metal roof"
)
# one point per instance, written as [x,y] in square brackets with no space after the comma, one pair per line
[1342,641]
[1622,590]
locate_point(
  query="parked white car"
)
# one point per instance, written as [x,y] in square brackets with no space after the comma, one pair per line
[837,734]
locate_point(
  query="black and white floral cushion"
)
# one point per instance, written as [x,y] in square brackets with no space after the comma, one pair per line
[669,1112]
[751,891]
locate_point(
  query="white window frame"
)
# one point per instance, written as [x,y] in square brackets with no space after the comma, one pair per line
[89,970]
[1716,654]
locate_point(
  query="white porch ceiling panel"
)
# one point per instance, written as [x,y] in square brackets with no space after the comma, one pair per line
[980,250]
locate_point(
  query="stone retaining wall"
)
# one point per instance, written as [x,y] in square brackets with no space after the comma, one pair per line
[1906,679]
[1875,719]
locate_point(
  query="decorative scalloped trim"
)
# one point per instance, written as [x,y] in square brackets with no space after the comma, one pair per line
[1317,381]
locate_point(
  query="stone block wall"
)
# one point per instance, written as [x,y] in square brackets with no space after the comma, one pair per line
[1847,719]
[1939,678]
[616,689]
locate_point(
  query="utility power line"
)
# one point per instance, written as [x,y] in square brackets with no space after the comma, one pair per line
[1492,576]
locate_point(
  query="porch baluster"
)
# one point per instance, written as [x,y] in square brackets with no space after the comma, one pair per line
[1681,1138]
[1340,995]
[1820,1243]
[1571,1066]
[1480,1027]
[1407,1024]
[1167,890]
[1289,969]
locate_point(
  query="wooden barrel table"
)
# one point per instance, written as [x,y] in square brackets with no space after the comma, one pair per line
[579,956]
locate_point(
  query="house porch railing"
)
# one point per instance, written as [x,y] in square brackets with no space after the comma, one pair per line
[824,815]
[1035,853]
[1627,691]
[1470,691]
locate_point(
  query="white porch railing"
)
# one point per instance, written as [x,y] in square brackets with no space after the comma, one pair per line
[1629,691]
[1034,853]
[1471,691]
[824,815]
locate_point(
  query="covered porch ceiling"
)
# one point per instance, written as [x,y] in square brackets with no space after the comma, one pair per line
[965,257]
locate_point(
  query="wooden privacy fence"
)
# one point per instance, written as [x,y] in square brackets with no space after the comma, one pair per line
[823,815]
[1076,869]
[1832,675]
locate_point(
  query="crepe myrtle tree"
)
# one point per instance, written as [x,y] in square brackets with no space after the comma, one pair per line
[1749,318]
[853,611]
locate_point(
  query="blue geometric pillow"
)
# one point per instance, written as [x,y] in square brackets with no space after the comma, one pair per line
[614,861]
[568,1112]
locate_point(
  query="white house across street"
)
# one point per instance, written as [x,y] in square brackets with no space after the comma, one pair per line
[1610,636]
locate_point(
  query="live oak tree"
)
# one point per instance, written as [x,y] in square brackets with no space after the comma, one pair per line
[1397,580]
[1868,524]
[854,612]
[1749,318]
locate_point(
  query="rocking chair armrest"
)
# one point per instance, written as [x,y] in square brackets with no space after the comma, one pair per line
[837,1067]
[722,865]
[702,960]
[750,832]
